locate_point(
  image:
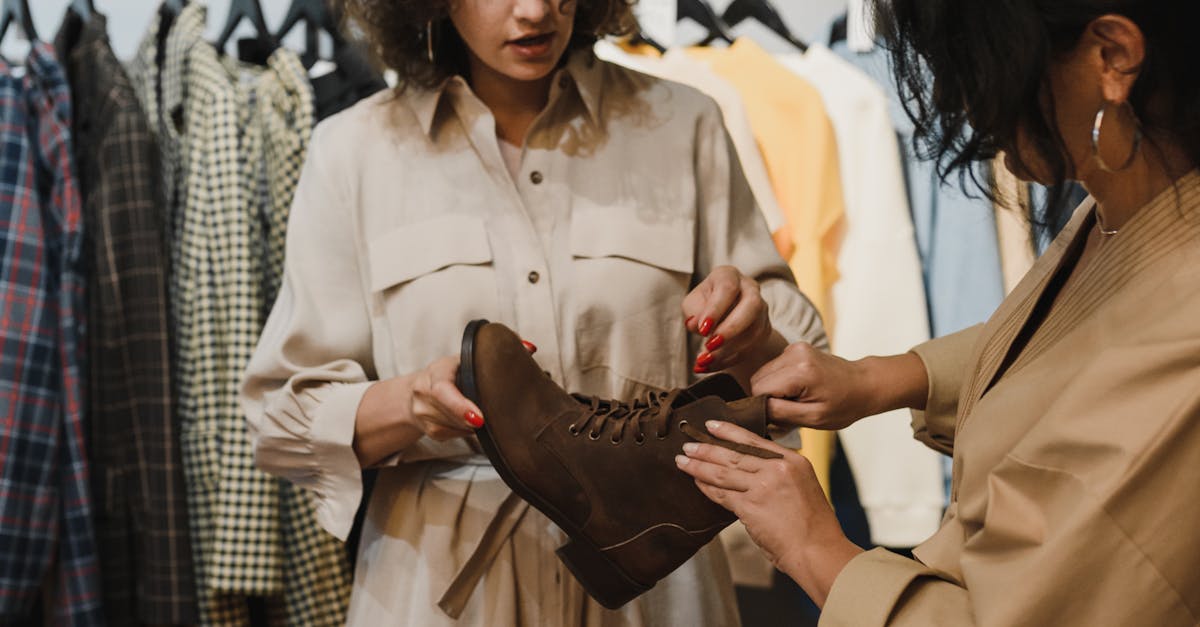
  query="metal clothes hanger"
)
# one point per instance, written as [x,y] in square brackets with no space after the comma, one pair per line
[244,10]
[763,12]
[17,11]
[703,14]
[642,38]
[317,17]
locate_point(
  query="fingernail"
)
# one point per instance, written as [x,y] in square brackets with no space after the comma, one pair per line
[699,369]
[529,346]
[714,343]
[474,419]
[705,359]
[689,320]
[682,460]
[690,447]
[706,326]
[712,425]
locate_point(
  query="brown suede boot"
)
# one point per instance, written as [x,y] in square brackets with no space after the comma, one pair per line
[603,470]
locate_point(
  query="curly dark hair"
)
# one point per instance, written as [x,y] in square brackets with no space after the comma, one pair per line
[973,72]
[398,33]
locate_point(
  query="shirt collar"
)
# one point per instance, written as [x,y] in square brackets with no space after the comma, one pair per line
[581,74]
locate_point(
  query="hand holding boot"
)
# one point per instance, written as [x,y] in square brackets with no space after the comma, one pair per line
[811,388]
[779,501]
[397,412]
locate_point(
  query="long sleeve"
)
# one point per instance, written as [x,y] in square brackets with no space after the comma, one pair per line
[1061,544]
[948,364]
[732,232]
[314,361]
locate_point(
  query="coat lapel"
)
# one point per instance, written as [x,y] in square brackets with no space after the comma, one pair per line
[1013,314]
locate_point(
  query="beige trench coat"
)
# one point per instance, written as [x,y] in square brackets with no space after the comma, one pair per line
[407,224]
[1076,472]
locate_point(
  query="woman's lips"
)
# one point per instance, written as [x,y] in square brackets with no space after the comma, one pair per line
[533,46]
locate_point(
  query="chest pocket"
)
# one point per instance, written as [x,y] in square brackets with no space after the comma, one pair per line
[431,278]
[630,279]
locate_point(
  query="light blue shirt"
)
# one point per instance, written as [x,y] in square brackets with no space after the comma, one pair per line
[956,232]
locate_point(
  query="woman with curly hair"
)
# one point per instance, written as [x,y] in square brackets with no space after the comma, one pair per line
[515,177]
[1073,415]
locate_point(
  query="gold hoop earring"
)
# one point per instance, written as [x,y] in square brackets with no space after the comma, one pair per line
[429,41]
[1099,124]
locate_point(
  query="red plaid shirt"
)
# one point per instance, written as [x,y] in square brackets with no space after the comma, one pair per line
[45,509]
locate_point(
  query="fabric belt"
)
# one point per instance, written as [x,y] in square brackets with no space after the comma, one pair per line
[498,531]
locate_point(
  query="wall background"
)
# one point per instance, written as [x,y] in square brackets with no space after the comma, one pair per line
[808,19]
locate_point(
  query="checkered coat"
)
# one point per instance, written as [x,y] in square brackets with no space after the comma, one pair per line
[235,142]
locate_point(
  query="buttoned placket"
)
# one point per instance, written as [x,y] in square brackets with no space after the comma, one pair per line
[533,297]
[533,305]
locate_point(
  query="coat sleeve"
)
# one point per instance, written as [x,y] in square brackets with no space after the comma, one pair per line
[1085,518]
[948,362]
[314,362]
[732,231]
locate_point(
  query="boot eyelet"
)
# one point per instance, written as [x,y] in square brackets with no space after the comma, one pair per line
[639,439]
[614,440]
[573,430]
[683,423]
[593,436]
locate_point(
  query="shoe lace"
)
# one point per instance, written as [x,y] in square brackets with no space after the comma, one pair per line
[651,408]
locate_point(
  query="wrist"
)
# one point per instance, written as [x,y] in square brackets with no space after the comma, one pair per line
[879,398]
[895,382]
[817,565]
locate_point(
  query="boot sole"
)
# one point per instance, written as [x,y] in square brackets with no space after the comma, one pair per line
[606,582]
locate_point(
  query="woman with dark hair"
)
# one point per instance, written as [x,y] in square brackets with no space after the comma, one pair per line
[512,177]
[1073,415]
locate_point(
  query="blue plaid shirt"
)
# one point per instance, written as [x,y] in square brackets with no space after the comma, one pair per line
[45,510]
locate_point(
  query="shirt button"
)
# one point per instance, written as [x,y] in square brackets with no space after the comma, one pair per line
[536,177]
[534,277]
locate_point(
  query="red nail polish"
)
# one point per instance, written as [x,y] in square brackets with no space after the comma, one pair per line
[716,342]
[689,320]
[706,326]
[529,346]
[474,419]
[699,369]
[704,360]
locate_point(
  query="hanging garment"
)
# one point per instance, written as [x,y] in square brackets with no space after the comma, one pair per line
[675,65]
[137,474]
[407,225]
[248,529]
[1074,464]
[879,299]
[956,233]
[46,530]
[351,80]
[800,150]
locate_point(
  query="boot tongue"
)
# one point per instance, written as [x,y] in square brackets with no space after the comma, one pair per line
[721,384]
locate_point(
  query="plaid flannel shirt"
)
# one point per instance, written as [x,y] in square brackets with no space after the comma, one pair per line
[137,474]
[45,509]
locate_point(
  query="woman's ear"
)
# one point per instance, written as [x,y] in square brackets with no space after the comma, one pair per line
[1122,50]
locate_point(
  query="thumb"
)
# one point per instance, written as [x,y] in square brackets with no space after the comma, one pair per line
[738,435]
